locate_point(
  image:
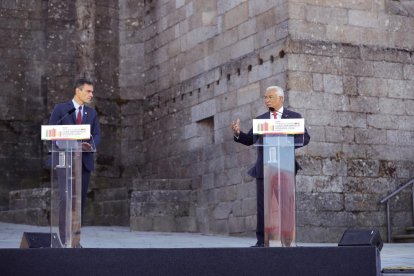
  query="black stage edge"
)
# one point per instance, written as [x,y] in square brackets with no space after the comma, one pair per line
[352,260]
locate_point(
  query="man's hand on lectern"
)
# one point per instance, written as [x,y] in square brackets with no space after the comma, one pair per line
[86,146]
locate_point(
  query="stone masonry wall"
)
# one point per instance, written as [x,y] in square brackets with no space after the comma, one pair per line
[197,65]
[22,97]
[350,75]
[172,74]
[53,43]
[346,66]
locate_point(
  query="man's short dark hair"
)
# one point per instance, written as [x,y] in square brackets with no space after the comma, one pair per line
[81,82]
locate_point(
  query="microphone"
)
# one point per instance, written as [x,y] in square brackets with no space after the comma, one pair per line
[66,115]
[271,109]
[70,111]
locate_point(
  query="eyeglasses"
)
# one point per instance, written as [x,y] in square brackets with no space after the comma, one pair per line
[271,97]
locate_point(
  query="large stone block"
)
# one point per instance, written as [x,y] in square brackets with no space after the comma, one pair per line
[219,226]
[385,121]
[319,234]
[30,199]
[364,104]
[363,167]
[262,71]
[334,166]
[368,185]
[301,81]
[388,70]
[222,210]
[260,6]
[248,206]
[236,16]
[226,5]
[324,149]
[389,152]
[408,71]
[333,84]
[164,224]
[320,201]
[271,35]
[370,136]
[248,94]
[315,64]
[242,47]
[327,15]
[362,202]
[203,110]
[226,194]
[373,87]
[31,216]
[111,194]
[186,224]
[325,218]
[236,225]
[247,28]
[401,138]
[339,134]
[246,190]
[141,223]
[363,19]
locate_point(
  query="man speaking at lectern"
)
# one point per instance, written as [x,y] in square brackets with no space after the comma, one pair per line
[273,99]
[76,112]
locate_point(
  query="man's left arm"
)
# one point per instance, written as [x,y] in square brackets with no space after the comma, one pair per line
[301,138]
[95,130]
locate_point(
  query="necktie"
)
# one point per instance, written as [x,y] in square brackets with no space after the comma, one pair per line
[79,116]
[275,115]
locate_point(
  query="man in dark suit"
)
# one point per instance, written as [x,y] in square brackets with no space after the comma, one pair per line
[273,99]
[64,114]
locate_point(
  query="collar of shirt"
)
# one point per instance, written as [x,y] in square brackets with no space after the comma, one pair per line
[76,105]
[279,113]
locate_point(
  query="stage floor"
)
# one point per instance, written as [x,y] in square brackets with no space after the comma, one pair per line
[392,255]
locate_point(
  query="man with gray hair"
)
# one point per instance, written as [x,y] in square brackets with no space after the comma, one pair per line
[273,99]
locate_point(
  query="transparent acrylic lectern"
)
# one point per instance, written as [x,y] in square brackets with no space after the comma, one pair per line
[279,178]
[68,142]
[66,190]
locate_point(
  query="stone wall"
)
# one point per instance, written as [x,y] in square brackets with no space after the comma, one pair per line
[163,205]
[22,97]
[360,124]
[28,206]
[346,66]
[203,63]
[172,74]
[53,43]
[350,75]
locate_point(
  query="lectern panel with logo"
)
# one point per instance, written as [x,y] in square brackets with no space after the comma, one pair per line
[279,140]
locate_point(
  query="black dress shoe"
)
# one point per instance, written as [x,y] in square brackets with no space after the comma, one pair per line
[258,244]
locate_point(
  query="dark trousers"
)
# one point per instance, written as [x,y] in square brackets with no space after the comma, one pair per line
[260,210]
[86,175]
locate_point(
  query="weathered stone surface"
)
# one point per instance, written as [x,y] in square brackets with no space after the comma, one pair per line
[172,75]
[29,206]
[31,216]
[163,205]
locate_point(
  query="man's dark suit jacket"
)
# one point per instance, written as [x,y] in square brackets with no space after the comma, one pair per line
[89,118]
[249,139]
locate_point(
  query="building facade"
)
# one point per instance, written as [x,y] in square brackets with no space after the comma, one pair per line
[171,76]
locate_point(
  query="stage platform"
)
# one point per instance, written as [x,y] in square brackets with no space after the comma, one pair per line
[176,251]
